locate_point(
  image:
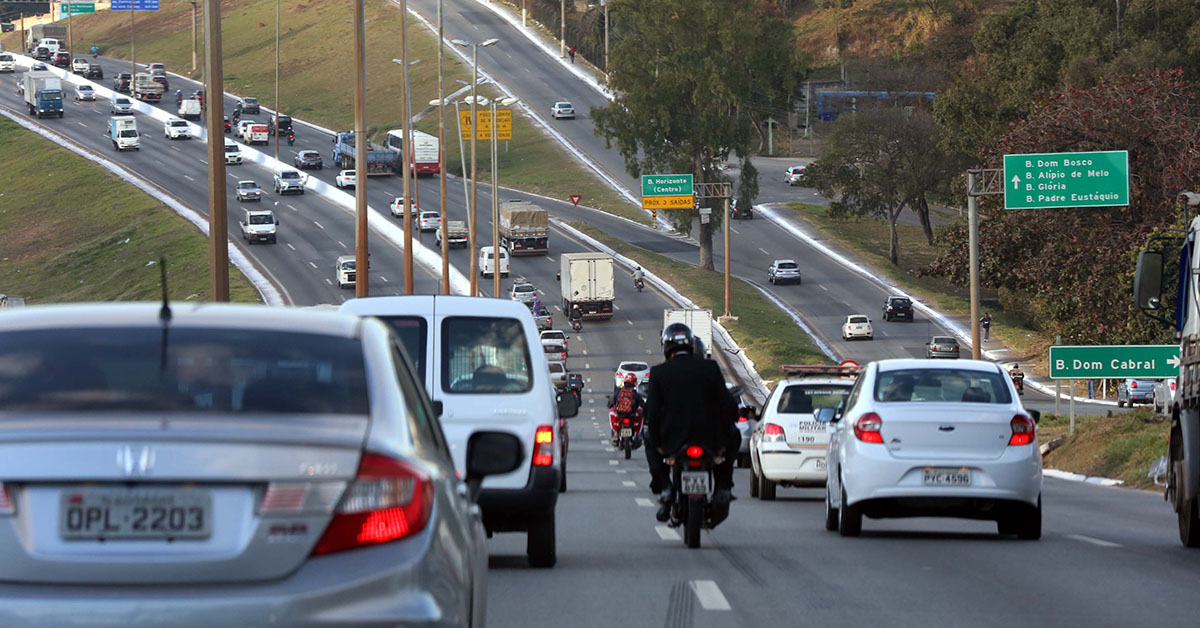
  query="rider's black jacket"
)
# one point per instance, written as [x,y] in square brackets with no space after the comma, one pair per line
[688,402]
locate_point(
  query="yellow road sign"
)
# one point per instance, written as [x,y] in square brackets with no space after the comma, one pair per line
[503,129]
[668,202]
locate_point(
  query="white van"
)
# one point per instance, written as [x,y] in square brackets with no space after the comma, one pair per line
[482,365]
[52,44]
[233,154]
[485,262]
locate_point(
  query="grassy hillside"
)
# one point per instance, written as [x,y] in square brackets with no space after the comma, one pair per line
[72,231]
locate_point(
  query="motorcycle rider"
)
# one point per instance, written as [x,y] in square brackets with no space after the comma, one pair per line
[178,97]
[627,402]
[688,402]
[576,315]
[638,275]
[291,137]
[95,51]
[1018,377]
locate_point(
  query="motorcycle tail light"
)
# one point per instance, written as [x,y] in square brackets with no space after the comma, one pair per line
[695,451]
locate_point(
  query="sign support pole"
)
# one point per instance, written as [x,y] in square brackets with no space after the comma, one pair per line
[973,231]
[218,227]
[1057,384]
[1071,384]
[727,220]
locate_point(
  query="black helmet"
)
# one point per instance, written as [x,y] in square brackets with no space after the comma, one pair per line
[698,348]
[677,337]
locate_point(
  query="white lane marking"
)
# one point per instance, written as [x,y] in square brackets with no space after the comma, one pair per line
[610,461]
[328,281]
[644,502]
[341,244]
[587,366]
[610,450]
[319,225]
[585,352]
[630,322]
[615,306]
[765,252]
[1093,541]
[206,163]
[175,148]
[667,534]
[188,178]
[296,210]
[557,308]
[385,279]
[552,261]
[710,596]
[313,265]
[640,337]
[84,125]
[628,483]
[735,231]
[818,285]
[289,244]
[622,471]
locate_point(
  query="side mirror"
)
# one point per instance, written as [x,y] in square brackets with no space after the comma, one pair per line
[825,415]
[491,453]
[1147,280]
[438,408]
[568,406]
[1036,415]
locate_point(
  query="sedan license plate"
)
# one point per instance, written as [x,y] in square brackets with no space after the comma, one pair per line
[136,513]
[694,483]
[627,432]
[947,477]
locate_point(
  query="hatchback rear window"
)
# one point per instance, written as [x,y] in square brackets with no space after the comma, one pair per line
[858,319]
[807,398]
[484,355]
[941,385]
[788,265]
[149,369]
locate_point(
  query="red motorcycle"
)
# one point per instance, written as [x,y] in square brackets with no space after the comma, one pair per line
[628,431]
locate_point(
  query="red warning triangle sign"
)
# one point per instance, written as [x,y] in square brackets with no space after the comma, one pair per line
[575,199]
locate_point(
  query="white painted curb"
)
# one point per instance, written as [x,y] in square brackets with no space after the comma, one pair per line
[1076,477]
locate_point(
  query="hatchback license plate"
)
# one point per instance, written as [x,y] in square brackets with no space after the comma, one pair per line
[947,477]
[694,483]
[627,432]
[138,513]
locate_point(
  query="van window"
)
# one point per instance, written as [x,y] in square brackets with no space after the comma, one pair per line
[411,332]
[484,355]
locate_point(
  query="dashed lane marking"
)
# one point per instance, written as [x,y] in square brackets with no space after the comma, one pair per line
[188,178]
[710,596]
[666,533]
[313,265]
[319,225]
[341,244]
[612,462]
[292,207]
[765,252]
[1093,541]
[622,471]
[823,287]
[289,245]
[644,502]
[628,483]
[385,279]
[328,281]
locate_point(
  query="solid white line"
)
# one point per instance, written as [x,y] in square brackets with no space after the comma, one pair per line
[289,245]
[1093,541]
[667,534]
[710,596]
[319,226]
[628,483]
[644,502]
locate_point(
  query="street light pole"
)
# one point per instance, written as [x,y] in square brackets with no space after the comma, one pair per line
[362,258]
[562,29]
[193,35]
[606,36]
[217,222]
[474,199]
[277,81]
[442,151]
[495,211]
[406,155]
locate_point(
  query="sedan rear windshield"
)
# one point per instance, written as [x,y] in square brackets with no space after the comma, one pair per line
[941,385]
[807,398]
[485,355]
[944,340]
[185,370]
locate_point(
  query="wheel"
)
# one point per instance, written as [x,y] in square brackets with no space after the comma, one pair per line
[849,518]
[695,516]
[1189,522]
[628,449]
[831,513]
[1029,526]
[766,489]
[540,542]
[770,279]
[753,483]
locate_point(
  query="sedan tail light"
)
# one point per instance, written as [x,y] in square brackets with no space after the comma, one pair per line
[388,500]
[773,433]
[1023,430]
[543,446]
[868,428]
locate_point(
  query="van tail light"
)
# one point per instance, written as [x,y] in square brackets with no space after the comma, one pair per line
[543,446]
[388,500]
[1023,430]
[868,428]
[6,505]
[773,433]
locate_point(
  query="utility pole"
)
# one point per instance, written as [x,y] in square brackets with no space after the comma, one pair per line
[277,85]
[218,225]
[562,29]
[133,75]
[606,36]
[406,155]
[726,219]
[442,151]
[362,257]
[771,136]
[193,35]
[524,11]
[973,242]
[473,216]
[495,211]
[70,31]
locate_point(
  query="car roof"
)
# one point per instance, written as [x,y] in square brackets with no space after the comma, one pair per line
[183,314]
[897,364]
[644,365]
[784,261]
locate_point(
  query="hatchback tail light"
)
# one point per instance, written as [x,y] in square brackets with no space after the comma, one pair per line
[868,428]
[773,433]
[543,446]
[388,500]
[1023,430]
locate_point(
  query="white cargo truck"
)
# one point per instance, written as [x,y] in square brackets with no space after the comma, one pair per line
[587,281]
[699,321]
[122,130]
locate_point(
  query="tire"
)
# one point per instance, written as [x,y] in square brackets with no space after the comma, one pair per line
[766,489]
[831,513]
[540,542]
[849,518]
[1029,526]
[753,483]
[771,280]
[628,449]
[695,517]
[1189,522]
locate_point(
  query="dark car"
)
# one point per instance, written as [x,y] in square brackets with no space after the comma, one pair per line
[738,213]
[61,59]
[285,124]
[42,53]
[158,78]
[228,125]
[942,347]
[897,308]
[308,159]
[120,82]
[94,71]
[248,105]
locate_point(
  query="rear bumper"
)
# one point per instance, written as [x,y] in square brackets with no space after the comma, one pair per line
[953,355]
[874,474]
[793,465]
[593,309]
[896,315]
[512,510]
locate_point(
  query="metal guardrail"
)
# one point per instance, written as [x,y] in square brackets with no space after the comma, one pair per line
[8,301]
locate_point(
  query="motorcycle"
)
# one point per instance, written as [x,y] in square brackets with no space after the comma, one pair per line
[628,431]
[639,283]
[577,324]
[291,138]
[692,500]
[1019,382]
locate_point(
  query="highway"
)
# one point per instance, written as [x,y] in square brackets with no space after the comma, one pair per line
[1108,557]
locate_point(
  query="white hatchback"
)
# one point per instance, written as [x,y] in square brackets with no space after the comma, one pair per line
[918,438]
[857,326]
[397,207]
[640,369]
[346,179]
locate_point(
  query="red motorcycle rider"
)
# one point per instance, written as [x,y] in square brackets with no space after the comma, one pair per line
[626,404]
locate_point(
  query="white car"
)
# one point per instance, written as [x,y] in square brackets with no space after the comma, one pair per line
[344,271]
[121,105]
[397,207]
[783,271]
[556,336]
[289,180]
[794,175]
[8,63]
[248,191]
[641,369]
[1164,396]
[558,372]
[177,128]
[428,221]
[346,179]
[79,65]
[563,109]
[85,92]
[944,439]
[789,445]
[523,292]
[857,326]
[233,154]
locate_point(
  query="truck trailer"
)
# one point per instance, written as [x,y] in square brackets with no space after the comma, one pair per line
[378,161]
[699,321]
[587,281]
[524,228]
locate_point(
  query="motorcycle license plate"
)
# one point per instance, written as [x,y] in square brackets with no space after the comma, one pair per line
[694,483]
[626,432]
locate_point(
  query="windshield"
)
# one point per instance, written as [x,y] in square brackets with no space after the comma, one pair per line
[231,148]
[52,94]
[941,385]
[184,370]
[127,133]
[179,123]
[348,265]
[485,355]
[858,319]
[290,175]
[262,220]
[807,398]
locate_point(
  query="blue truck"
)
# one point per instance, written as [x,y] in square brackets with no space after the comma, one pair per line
[378,161]
[43,93]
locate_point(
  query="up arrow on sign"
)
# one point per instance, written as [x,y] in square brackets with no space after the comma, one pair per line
[1016,182]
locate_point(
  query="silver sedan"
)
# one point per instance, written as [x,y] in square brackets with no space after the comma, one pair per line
[219,465]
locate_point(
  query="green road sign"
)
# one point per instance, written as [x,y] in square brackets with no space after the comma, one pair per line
[666,185]
[1114,361]
[75,8]
[1046,180]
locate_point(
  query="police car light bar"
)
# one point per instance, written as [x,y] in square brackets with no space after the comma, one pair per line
[819,370]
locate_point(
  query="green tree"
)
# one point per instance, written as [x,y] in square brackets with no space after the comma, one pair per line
[680,72]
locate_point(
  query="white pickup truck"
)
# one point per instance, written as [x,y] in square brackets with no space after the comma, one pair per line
[258,225]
